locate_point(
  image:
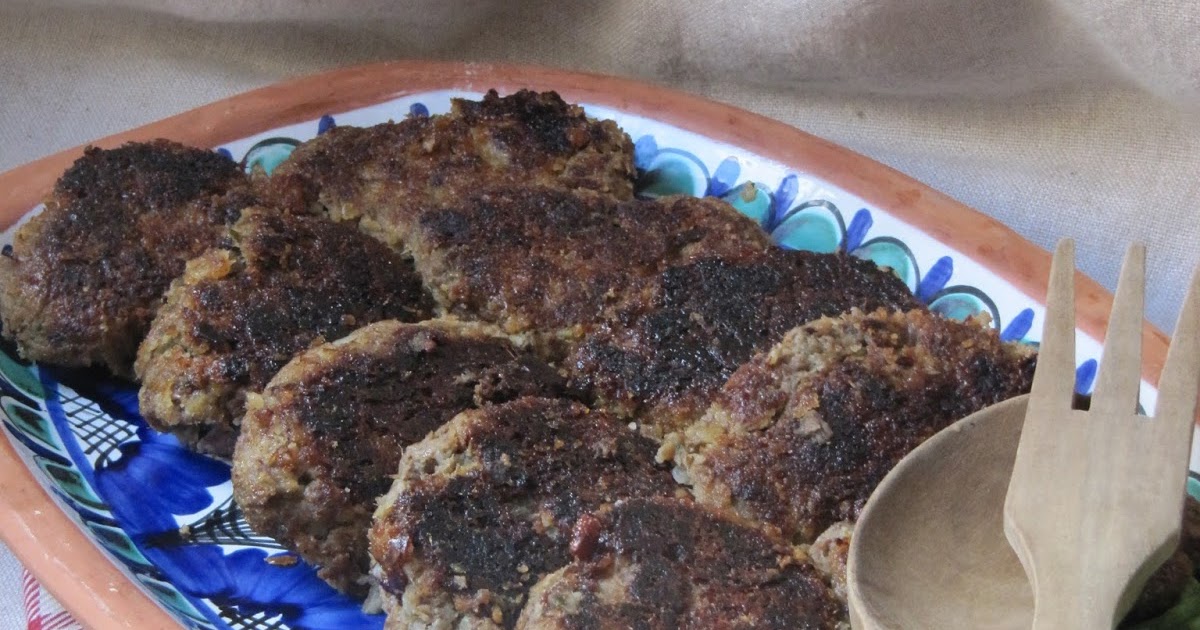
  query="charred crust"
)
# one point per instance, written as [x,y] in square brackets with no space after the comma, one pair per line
[547,259]
[303,279]
[86,275]
[239,315]
[362,411]
[778,466]
[501,525]
[707,318]
[389,173]
[688,566]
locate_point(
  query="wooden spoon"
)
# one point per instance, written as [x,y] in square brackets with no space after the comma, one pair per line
[1093,507]
[929,550]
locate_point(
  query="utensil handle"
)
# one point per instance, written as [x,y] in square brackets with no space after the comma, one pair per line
[1060,608]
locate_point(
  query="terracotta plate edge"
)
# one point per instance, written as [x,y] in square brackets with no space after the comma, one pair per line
[68,563]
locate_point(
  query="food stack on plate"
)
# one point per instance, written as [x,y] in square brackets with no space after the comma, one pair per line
[463,371]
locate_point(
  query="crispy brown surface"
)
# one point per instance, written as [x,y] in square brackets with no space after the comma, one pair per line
[238,315]
[383,175]
[1189,538]
[556,263]
[324,439]
[801,435]
[665,564]
[86,275]
[486,505]
[669,354]
[830,553]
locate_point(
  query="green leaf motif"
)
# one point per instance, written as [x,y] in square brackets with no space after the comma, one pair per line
[31,423]
[22,377]
[72,483]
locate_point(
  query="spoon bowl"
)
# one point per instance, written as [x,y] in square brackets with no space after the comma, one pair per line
[929,550]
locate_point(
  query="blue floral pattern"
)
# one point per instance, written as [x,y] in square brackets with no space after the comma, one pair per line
[166,514]
[222,574]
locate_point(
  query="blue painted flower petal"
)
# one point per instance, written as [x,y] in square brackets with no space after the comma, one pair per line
[857,231]
[225,152]
[816,228]
[751,200]
[269,153]
[330,618]
[195,569]
[325,124]
[893,254]
[295,591]
[1085,376]
[724,177]
[936,278]
[276,584]
[245,581]
[644,151]
[1018,327]
[781,200]
[673,172]
[143,465]
[115,398]
[418,110]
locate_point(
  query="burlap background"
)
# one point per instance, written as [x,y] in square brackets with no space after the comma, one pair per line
[1059,117]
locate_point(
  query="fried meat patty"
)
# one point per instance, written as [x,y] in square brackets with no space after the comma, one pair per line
[487,504]
[800,436]
[381,176]
[555,263]
[238,314]
[661,564]
[670,351]
[324,438]
[86,275]
[829,554]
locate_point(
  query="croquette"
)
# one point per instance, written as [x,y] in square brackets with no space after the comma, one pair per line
[384,176]
[662,564]
[85,276]
[239,313]
[803,433]
[678,343]
[487,504]
[322,441]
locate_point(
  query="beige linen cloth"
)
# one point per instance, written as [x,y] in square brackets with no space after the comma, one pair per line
[1058,117]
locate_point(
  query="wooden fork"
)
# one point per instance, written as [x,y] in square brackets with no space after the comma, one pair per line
[1096,497]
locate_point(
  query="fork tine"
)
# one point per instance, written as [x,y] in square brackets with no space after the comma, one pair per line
[1119,381]
[1053,380]
[1180,379]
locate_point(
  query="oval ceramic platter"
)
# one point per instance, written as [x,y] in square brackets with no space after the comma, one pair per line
[128,529]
